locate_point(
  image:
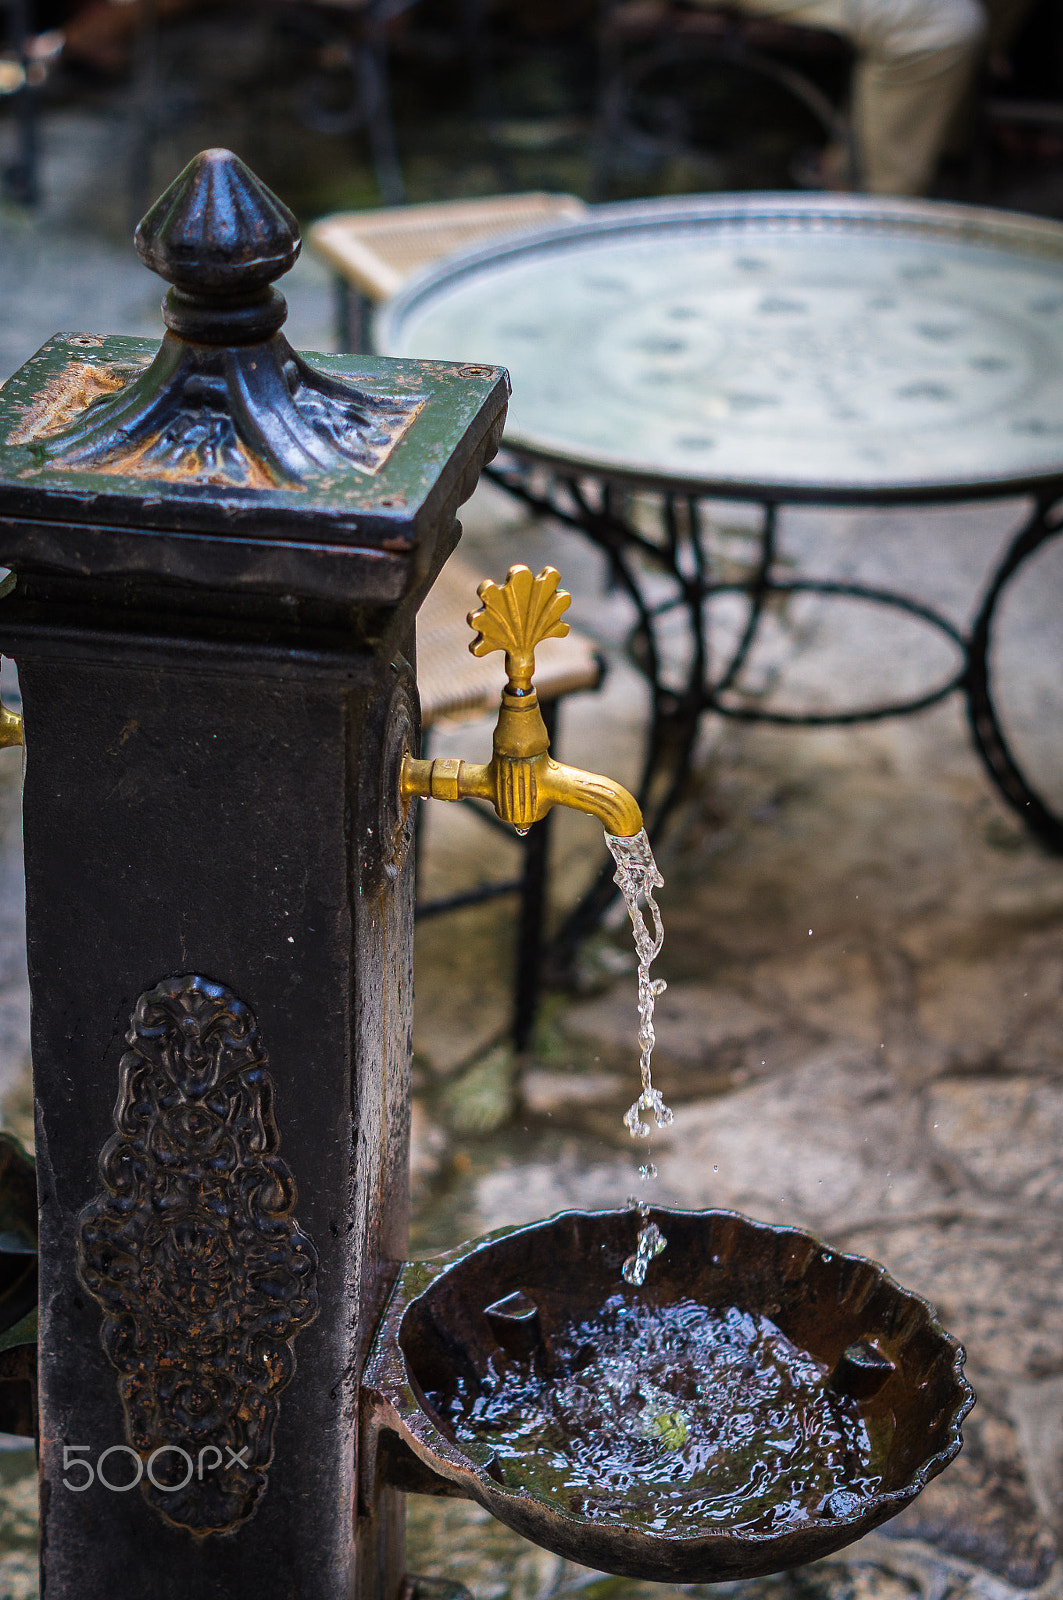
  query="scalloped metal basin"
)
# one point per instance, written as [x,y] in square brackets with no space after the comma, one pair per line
[860,1392]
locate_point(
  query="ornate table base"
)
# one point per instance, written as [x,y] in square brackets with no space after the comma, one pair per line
[676,551]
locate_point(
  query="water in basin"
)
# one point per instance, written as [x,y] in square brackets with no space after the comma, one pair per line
[679,1414]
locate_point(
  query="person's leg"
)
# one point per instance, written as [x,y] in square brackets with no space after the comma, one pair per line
[915,63]
[915,59]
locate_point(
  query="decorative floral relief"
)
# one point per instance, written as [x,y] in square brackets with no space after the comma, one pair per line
[193,1251]
[255,417]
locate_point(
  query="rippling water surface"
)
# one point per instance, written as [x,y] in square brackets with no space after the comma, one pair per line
[677,1417]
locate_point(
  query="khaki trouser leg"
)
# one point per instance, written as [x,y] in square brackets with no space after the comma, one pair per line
[912,74]
[915,60]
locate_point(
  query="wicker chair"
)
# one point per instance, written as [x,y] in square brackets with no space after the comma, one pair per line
[372,252]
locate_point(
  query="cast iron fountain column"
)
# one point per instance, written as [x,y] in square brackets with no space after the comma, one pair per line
[218,549]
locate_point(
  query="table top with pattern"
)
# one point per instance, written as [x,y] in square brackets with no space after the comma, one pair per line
[784,346]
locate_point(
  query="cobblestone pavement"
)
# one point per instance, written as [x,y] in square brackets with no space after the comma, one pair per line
[861,1031]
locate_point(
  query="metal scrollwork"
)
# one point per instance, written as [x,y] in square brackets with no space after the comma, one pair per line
[193,1251]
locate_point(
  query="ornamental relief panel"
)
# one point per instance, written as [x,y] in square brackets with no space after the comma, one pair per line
[193,1252]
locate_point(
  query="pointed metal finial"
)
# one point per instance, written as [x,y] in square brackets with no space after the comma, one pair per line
[218,228]
[226,401]
[220,236]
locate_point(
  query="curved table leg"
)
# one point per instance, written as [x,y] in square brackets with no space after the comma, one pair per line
[758,589]
[1045,523]
[675,711]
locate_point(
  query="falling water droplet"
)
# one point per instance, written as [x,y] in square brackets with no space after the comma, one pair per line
[637,875]
[650,1243]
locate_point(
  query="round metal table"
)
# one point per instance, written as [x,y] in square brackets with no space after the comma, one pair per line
[776,349]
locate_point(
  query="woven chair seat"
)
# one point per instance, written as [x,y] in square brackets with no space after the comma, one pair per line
[375,251]
[457,686]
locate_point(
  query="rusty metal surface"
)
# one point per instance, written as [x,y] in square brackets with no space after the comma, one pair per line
[296,475]
[226,400]
[791,345]
[442,1326]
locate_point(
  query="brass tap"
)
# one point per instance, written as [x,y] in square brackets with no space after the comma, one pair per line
[521,780]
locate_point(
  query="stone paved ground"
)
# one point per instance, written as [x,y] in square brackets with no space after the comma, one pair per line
[861,1035]
[893,1078]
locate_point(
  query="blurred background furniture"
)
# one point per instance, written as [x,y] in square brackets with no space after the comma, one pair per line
[517,55]
[456,686]
[337,52]
[372,252]
[355,37]
[646,51]
[524,95]
[691,351]
[17,86]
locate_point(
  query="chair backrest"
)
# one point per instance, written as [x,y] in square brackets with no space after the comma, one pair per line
[455,685]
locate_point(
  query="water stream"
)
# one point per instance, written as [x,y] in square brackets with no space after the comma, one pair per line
[636,876]
[668,1413]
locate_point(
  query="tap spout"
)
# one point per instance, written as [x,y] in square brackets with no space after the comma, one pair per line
[615,807]
[523,789]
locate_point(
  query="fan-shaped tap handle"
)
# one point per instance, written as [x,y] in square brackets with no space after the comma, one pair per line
[516,616]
